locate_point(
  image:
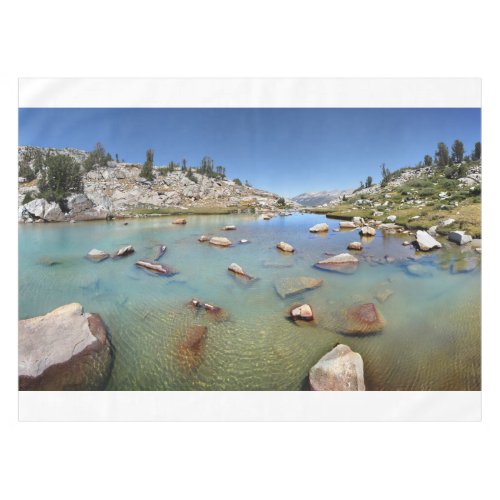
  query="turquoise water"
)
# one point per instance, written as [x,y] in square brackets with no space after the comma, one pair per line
[431,340]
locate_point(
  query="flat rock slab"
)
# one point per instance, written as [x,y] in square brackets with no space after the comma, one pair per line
[339,370]
[289,286]
[426,242]
[344,263]
[64,349]
[155,267]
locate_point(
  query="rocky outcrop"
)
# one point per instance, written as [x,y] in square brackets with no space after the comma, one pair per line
[339,370]
[289,286]
[285,247]
[459,237]
[426,242]
[319,228]
[66,349]
[361,319]
[344,263]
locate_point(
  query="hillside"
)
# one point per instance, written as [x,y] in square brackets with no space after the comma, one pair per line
[118,189]
[421,198]
[315,199]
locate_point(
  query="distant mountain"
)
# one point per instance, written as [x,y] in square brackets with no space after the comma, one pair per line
[321,197]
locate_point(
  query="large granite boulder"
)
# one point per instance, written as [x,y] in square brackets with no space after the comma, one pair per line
[459,237]
[367,231]
[319,228]
[347,224]
[53,213]
[355,245]
[339,370]
[66,349]
[289,286]
[344,263]
[36,208]
[361,319]
[426,242]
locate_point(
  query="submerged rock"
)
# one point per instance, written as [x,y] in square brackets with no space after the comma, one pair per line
[459,237]
[215,311]
[220,241]
[301,312]
[355,245]
[383,293]
[465,265]
[285,247]
[426,242]
[190,347]
[339,370]
[319,228]
[361,319]
[344,263]
[367,231]
[155,267]
[179,221]
[97,255]
[125,250]
[418,270]
[289,286]
[236,269]
[66,349]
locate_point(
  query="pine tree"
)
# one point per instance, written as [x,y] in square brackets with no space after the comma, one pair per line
[428,160]
[457,151]
[147,168]
[477,152]
[442,155]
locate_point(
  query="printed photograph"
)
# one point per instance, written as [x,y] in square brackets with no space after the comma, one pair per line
[249,249]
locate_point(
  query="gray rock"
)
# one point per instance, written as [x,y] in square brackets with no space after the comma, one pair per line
[285,247]
[426,242]
[459,237]
[66,349]
[344,263]
[319,228]
[97,255]
[339,370]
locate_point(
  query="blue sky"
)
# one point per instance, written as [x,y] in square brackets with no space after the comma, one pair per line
[285,150]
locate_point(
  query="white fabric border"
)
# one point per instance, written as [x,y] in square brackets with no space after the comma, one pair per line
[249,92]
[250,406]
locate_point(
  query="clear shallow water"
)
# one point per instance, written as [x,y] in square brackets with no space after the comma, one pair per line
[431,341]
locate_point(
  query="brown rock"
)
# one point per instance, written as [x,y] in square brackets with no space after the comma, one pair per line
[303,312]
[179,221]
[361,320]
[285,247]
[190,348]
[220,241]
[355,245]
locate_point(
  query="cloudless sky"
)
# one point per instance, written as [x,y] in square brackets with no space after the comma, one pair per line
[284,150]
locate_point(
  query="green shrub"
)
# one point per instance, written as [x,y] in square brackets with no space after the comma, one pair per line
[29,196]
[237,182]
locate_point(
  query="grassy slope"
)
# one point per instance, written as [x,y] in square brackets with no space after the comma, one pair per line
[467,214]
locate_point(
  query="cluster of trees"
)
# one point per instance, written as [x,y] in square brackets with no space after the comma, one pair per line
[442,157]
[60,178]
[98,157]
